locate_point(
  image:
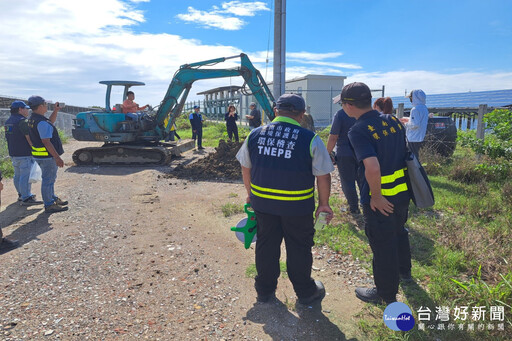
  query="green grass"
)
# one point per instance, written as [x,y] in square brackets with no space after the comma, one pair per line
[461,252]
[230,209]
[212,131]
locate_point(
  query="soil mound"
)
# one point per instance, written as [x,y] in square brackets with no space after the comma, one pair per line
[219,165]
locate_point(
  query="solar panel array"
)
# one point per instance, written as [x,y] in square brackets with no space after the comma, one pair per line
[496,98]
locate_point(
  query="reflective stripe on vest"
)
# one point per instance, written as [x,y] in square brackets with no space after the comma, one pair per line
[394,191]
[388,179]
[280,194]
[39,151]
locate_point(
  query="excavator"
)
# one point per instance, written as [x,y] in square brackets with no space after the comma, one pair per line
[134,138]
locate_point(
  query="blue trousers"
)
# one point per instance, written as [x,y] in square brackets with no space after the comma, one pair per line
[199,135]
[347,168]
[22,166]
[49,176]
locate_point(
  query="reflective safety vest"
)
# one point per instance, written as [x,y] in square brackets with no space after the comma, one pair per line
[282,180]
[38,149]
[394,183]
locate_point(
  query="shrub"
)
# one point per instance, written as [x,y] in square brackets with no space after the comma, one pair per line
[497,144]
[433,162]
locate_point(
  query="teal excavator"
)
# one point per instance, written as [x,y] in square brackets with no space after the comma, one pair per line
[134,138]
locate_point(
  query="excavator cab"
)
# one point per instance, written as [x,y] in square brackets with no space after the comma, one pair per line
[111,124]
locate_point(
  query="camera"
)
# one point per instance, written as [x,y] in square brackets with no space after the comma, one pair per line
[61,104]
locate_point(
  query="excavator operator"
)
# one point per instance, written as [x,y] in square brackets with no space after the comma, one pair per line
[130,106]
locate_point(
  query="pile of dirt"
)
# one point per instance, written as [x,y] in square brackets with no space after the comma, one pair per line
[219,165]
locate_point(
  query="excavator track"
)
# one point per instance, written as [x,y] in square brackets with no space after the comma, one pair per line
[122,155]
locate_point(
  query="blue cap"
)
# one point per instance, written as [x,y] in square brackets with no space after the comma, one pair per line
[34,101]
[19,104]
[291,102]
[196,106]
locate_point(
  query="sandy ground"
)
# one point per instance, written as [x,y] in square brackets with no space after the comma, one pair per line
[142,256]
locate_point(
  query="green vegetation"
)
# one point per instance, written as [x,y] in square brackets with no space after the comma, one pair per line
[230,209]
[212,131]
[461,248]
[5,161]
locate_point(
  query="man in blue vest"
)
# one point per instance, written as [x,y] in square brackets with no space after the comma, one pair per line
[46,150]
[20,151]
[379,144]
[196,121]
[280,162]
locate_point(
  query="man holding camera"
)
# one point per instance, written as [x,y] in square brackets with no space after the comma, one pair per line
[46,150]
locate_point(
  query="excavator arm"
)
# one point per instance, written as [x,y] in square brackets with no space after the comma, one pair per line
[176,95]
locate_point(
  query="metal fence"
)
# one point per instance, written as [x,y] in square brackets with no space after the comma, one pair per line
[319,104]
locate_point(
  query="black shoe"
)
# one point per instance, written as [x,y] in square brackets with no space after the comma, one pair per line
[55,208]
[265,298]
[318,295]
[61,202]
[30,201]
[6,244]
[355,211]
[370,295]
[200,147]
[406,277]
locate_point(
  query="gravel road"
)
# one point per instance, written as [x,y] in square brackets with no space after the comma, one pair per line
[142,256]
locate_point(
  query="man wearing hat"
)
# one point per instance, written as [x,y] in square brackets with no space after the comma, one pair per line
[417,122]
[379,144]
[196,121]
[20,151]
[254,117]
[46,150]
[280,162]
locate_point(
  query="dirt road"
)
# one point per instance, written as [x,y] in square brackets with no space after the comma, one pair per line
[142,256]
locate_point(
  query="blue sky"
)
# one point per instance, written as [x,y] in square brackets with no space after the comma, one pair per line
[61,49]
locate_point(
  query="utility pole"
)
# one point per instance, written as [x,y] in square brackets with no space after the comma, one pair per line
[279,47]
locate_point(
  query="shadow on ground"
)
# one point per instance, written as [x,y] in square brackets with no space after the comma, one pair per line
[28,231]
[280,324]
[115,170]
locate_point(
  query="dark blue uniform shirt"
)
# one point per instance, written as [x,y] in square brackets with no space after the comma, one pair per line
[381,136]
[341,124]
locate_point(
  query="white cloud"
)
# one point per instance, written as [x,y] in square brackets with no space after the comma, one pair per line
[312,56]
[63,54]
[212,19]
[223,19]
[244,9]
[396,82]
